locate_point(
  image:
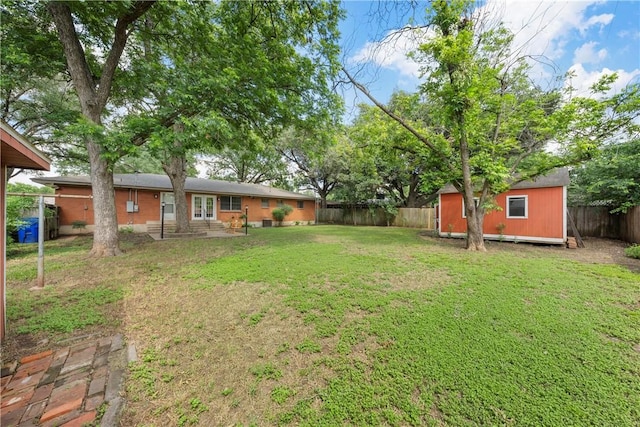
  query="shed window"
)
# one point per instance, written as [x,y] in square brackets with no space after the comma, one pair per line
[265,203]
[517,207]
[476,200]
[230,203]
[300,204]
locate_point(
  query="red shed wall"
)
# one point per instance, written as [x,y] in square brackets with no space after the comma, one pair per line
[545,218]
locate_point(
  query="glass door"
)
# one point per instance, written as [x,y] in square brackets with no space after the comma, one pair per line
[169,206]
[210,204]
[203,207]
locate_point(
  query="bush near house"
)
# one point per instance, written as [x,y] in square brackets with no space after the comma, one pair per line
[280,213]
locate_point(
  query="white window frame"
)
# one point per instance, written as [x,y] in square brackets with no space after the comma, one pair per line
[476,200]
[262,203]
[526,206]
[231,204]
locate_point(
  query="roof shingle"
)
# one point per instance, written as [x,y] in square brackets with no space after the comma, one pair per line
[192,185]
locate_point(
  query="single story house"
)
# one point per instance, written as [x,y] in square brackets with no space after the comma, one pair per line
[15,152]
[531,211]
[210,203]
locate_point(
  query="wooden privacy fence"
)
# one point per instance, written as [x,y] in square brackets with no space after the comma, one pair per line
[596,221]
[406,217]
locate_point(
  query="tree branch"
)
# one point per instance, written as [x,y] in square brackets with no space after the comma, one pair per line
[119,42]
[74,53]
[397,118]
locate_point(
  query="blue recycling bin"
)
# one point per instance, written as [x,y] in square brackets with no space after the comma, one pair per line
[28,232]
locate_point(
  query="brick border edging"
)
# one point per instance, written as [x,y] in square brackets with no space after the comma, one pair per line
[119,359]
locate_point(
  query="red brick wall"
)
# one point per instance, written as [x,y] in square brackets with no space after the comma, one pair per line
[257,213]
[148,206]
[72,209]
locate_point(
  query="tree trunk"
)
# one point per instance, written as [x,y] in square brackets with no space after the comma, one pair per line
[323,198]
[105,233]
[176,169]
[475,214]
[475,236]
[93,99]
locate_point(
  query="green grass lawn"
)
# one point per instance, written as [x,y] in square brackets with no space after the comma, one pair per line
[358,326]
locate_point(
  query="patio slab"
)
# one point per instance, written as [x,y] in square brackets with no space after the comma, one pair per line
[66,387]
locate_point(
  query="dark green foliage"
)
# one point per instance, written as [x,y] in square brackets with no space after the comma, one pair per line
[612,177]
[16,205]
[280,213]
[633,251]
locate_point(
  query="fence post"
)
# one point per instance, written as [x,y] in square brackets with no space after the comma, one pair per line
[40,279]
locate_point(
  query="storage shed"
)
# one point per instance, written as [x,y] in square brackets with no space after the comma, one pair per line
[530,211]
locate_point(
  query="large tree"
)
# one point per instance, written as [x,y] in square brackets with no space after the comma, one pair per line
[82,28]
[179,77]
[35,96]
[318,155]
[233,75]
[260,163]
[491,123]
[408,170]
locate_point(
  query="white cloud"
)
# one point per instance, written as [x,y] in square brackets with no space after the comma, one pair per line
[392,51]
[596,20]
[541,29]
[544,28]
[546,31]
[587,54]
[629,34]
[582,79]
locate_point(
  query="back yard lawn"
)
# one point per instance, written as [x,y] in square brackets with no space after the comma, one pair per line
[348,326]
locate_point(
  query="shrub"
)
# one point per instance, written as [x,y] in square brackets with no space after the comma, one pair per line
[280,213]
[79,224]
[633,251]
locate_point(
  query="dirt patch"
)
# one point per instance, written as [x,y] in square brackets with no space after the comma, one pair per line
[212,345]
[596,250]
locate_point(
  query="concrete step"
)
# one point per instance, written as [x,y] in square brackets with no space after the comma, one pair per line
[195,226]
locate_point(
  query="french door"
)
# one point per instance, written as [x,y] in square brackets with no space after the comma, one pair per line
[203,207]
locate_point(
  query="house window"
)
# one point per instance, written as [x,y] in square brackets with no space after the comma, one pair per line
[300,204]
[517,207]
[265,203]
[280,203]
[476,200]
[230,203]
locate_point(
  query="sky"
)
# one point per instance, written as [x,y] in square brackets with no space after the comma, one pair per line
[588,38]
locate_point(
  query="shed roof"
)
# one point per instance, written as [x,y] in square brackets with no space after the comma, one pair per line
[192,185]
[17,152]
[556,178]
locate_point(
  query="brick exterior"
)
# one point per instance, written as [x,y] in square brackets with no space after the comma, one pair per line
[149,209]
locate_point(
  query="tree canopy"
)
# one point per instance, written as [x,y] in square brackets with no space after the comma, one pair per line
[611,178]
[177,76]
